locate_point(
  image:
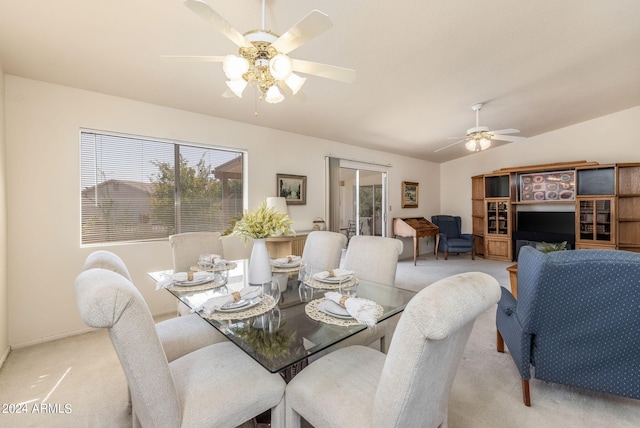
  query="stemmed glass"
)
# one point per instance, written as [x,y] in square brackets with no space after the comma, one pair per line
[348,287]
[272,288]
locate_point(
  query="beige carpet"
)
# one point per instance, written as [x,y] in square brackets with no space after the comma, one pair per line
[77,382]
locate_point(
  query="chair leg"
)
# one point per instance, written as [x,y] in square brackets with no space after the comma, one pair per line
[473,255]
[525,393]
[446,254]
[499,342]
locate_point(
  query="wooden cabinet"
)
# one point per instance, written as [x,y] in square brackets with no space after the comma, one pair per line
[595,224]
[477,213]
[283,246]
[628,210]
[497,237]
[607,206]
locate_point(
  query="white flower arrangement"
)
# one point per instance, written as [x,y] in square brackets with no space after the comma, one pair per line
[262,223]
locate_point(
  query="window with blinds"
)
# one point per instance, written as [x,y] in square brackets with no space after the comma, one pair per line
[138,189]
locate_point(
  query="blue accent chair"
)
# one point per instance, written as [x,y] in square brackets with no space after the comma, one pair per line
[452,240]
[576,320]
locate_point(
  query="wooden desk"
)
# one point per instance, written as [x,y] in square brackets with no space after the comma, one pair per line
[416,227]
[282,246]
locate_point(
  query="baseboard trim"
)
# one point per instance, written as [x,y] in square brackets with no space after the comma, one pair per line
[4,356]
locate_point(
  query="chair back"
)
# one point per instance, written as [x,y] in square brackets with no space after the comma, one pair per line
[107,260]
[373,258]
[235,248]
[426,349]
[106,299]
[578,305]
[186,247]
[323,250]
[449,225]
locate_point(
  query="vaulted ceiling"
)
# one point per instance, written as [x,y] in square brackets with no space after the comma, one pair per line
[537,65]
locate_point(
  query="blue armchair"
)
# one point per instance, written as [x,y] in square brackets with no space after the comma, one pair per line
[452,240]
[575,320]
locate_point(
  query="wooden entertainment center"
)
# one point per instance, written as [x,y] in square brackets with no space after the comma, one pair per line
[602,200]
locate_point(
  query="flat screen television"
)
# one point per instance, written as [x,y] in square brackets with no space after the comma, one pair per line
[546,222]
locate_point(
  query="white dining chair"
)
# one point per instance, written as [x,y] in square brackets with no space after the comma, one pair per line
[186,249]
[373,258]
[215,386]
[358,386]
[323,249]
[179,335]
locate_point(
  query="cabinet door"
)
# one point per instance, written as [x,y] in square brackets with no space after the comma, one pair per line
[595,221]
[497,217]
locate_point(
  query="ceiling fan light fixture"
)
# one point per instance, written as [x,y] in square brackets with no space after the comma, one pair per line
[234,67]
[280,67]
[273,95]
[471,145]
[295,82]
[485,143]
[237,86]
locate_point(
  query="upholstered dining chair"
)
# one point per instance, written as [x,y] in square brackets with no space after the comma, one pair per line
[408,387]
[452,240]
[373,258]
[218,385]
[179,335]
[186,248]
[323,249]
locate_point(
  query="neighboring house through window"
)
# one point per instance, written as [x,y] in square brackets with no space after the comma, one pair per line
[137,189]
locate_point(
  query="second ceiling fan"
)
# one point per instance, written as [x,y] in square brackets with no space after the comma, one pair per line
[479,137]
[263,57]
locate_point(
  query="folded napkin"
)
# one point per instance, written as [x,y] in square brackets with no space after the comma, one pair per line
[362,310]
[286,261]
[181,277]
[333,275]
[215,303]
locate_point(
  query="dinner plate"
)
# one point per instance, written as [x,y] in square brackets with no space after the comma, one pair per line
[240,305]
[283,263]
[339,275]
[181,278]
[335,310]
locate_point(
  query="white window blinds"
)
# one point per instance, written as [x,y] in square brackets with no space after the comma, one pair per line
[136,189]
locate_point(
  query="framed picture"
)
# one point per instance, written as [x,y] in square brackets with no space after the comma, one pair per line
[293,188]
[409,194]
[548,186]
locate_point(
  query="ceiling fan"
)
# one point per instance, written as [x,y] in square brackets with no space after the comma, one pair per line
[479,137]
[263,57]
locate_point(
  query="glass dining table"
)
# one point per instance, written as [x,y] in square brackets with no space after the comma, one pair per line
[281,339]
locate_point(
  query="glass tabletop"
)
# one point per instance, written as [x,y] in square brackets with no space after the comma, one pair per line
[285,335]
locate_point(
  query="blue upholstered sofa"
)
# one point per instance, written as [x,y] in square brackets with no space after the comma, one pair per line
[576,320]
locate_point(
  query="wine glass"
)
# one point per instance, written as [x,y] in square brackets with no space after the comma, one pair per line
[272,288]
[348,287]
[305,292]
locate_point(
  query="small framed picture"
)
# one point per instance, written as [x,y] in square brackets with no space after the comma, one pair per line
[409,194]
[293,188]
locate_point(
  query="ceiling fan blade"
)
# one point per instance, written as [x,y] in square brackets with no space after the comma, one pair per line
[450,145]
[506,131]
[511,138]
[203,10]
[341,74]
[456,138]
[312,25]
[192,58]
[228,94]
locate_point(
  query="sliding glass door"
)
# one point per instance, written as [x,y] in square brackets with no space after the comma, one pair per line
[363,200]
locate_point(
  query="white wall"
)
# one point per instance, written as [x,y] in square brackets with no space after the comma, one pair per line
[4,329]
[42,141]
[607,139]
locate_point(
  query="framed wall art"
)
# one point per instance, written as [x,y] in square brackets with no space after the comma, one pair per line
[293,188]
[409,194]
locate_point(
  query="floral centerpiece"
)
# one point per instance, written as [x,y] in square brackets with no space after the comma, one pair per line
[259,225]
[262,223]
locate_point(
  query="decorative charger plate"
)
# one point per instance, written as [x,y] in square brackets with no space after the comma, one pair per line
[314,283]
[266,304]
[216,267]
[315,313]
